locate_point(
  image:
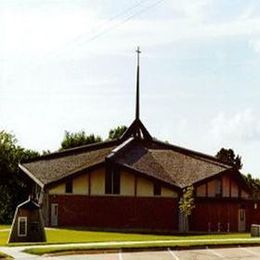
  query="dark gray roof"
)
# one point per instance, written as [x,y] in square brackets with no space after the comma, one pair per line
[174,167]
[171,164]
[56,166]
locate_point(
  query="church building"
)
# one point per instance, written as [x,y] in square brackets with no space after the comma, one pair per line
[135,183]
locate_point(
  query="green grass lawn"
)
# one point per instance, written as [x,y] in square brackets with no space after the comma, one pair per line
[76,236]
[4,227]
[63,235]
[176,245]
[3,238]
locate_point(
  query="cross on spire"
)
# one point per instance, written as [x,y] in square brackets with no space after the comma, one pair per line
[137,109]
[137,129]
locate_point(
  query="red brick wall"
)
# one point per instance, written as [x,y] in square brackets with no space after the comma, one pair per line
[117,212]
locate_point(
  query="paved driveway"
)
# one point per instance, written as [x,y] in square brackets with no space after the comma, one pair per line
[236,253]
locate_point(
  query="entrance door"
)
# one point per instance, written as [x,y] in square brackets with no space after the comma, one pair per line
[241,220]
[183,223]
[54,214]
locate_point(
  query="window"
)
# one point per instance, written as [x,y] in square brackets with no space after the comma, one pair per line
[112,182]
[22,226]
[69,187]
[157,189]
[218,187]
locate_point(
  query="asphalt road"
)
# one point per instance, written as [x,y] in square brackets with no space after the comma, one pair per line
[236,253]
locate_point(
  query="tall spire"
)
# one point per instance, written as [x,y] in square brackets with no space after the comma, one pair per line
[137,129]
[137,109]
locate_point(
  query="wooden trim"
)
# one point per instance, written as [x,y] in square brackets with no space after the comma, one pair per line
[89,184]
[195,192]
[135,186]
[207,193]
[230,187]
[224,199]
[221,183]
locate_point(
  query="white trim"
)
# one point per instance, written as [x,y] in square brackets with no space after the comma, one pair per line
[54,214]
[120,255]
[20,219]
[13,224]
[173,254]
[121,146]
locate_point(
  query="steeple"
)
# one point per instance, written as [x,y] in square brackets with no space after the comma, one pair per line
[137,129]
[137,108]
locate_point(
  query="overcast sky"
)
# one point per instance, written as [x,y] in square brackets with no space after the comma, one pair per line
[71,65]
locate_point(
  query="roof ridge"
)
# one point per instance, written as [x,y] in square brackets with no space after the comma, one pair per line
[164,170]
[120,148]
[82,148]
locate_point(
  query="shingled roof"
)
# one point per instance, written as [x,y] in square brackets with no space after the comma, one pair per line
[171,164]
[174,166]
[56,166]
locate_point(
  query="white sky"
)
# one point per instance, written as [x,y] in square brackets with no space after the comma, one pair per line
[70,65]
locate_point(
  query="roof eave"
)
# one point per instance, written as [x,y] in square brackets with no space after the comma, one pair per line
[82,148]
[30,175]
[127,167]
[74,173]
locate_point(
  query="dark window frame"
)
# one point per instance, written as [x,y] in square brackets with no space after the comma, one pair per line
[69,186]
[157,189]
[112,181]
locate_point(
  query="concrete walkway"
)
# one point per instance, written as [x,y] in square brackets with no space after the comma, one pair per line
[5,230]
[17,251]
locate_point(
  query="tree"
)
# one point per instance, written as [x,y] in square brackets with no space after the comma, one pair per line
[253,184]
[13,189]
[71,140]
[46,152]
[186,205]
[116,132]
[228,156]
